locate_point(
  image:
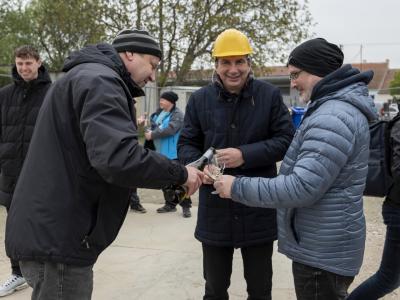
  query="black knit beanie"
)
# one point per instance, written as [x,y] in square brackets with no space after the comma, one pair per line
[138,41]
[170,96]
[317,57]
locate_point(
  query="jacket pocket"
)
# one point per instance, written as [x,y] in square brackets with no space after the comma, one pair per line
[111,212]
[290,225]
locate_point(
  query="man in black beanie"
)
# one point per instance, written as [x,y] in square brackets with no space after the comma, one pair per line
[166,124]
[315,57]
[318,192]
[84,158]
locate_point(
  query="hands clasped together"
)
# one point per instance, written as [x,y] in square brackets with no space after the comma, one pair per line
[212,174]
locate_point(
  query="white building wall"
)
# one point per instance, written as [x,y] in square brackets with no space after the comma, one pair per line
[150,102]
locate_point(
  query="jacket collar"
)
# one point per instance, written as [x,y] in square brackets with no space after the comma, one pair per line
[43,78]
[225,95]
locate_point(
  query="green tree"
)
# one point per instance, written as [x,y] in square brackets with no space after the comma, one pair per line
[187,29]
[15,29]
[62,26]
[395,85]
[54,26]
[119,14]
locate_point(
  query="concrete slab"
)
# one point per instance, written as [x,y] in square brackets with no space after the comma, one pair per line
[155,256]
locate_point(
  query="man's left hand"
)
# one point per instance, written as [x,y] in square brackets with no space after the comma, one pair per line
[231,157]
[223,185]
[147,135]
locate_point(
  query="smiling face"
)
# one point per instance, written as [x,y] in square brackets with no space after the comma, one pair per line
[303,82]
[27,67]
[142,67]
[233,71]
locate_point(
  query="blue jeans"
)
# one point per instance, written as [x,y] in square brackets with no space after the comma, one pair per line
[315,284]
[387,278]
[54,281]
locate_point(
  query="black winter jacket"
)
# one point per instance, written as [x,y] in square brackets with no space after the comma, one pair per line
[258,123]
[20,102]
[73,192]
[393,196]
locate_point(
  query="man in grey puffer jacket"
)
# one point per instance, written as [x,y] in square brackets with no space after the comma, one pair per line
[319,190]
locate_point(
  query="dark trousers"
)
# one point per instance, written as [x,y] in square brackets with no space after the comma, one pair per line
[58,281]
[170,201]
[316,284]
[257,266]
[15,269]
[134,198]
[387,278]
[173,202]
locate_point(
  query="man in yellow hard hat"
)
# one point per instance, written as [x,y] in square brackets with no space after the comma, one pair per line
[246,121]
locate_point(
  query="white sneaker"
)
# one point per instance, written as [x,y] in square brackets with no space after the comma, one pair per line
[12,284]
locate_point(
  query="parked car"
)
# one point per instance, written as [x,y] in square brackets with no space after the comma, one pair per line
[388,111]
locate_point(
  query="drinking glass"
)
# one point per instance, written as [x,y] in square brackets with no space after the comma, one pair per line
[216,169]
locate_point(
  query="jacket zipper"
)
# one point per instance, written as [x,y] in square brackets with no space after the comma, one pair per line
[85,242]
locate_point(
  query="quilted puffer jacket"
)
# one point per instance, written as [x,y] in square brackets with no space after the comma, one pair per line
[320,186]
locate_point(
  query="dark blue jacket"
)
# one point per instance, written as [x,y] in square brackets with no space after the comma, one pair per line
[393,196]
[258,123]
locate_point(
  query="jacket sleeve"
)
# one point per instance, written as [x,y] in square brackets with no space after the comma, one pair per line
[110,137]
[175,124]
[327,144]
[191,138]
[4,95]
[395,143]
[267,152]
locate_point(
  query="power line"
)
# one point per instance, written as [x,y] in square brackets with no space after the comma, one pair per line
[373,44]
[364,46]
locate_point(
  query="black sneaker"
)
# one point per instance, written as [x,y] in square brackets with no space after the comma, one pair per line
[166,208]
[138,208]
[186,212]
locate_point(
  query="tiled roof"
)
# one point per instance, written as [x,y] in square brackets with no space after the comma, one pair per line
[382,74]
[381,79]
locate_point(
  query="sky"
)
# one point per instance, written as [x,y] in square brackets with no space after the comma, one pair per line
[368,29]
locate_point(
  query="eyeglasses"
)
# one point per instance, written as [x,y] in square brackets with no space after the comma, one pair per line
[294,75]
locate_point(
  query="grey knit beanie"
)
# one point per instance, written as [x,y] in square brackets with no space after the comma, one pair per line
[138,41]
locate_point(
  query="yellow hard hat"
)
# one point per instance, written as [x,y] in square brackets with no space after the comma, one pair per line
[231,42]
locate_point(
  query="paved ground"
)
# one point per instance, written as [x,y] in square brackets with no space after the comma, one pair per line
[156,257]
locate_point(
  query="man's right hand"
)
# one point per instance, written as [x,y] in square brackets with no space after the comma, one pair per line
[207,179]
[194,180]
